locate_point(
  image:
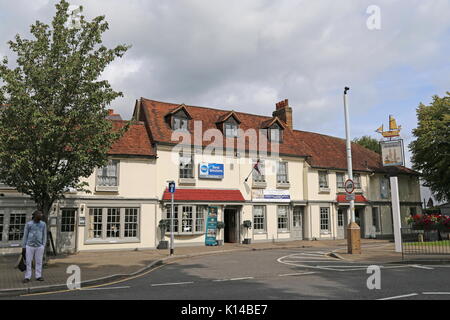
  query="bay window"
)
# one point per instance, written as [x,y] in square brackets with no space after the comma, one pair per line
[188,219]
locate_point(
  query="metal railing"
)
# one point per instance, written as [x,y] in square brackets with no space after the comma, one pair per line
[425,242]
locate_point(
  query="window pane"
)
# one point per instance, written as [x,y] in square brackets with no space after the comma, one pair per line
[95,223]
[68,220]
[186,222]
[131,223]
[175,216]
[357,180]
[282,176]
[200,218]
[282,217]
[186,166]
[107,176]
[340,218]
[340,180]
[16,226]
[297,217]
[324,219]
[113,223]
[258,218]
[259,177]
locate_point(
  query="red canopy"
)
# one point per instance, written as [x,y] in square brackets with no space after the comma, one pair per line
[209,195]
[358,198]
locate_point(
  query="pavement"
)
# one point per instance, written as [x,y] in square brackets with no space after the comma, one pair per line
[106,266]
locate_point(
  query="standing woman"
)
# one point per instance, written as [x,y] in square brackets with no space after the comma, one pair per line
[33,243]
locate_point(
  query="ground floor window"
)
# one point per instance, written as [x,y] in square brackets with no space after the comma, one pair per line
[324,220]
[188,219]
[259,217]
[12,224]
[68,220]
[113,223]
[283,221]
[340,218]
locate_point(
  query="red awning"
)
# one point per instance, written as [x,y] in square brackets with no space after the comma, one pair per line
[205,195]
[358,198]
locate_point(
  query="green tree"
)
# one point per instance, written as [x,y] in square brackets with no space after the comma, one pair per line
[431,149]
[53,126]
[369,143]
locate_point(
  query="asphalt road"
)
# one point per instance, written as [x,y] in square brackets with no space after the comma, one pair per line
[271,274]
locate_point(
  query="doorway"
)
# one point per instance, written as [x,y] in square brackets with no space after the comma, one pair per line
[297,222]
[342,223]
[231,234]
[66,231]
[359,219]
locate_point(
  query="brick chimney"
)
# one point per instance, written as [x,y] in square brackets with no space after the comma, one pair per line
[284,112]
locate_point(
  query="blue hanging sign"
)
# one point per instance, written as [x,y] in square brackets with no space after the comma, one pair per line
[211,227]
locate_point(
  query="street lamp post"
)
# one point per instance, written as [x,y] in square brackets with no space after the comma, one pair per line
[353,229]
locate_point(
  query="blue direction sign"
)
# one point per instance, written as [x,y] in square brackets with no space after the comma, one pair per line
[172,187]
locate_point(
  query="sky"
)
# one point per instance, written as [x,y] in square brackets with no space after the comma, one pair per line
[248,55]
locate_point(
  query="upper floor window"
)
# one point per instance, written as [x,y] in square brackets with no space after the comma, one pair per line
[340,180]
[282,172]
[323,179]
[107,176]
[230,128]
[384,188]
[259,171]
[186,166]
[180,121]
[357,180]
[275,133]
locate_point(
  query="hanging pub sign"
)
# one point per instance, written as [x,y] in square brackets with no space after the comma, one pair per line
[392,153]
[211,227]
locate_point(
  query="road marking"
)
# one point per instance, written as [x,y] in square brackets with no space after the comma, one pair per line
[104,284]
[295,274]
[421,267]
[399,297]
[243,278]
[436,293]
[171,283]
[108,288]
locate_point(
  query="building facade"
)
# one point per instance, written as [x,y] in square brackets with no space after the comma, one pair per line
[288,183]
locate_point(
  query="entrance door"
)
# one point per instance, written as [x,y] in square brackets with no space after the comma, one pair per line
[342,223]
[66,231]
[297,222]
[359,219]
[230,230]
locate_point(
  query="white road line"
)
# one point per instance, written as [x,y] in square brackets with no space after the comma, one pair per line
[295,274]
[421,267]
[171,284]
[108,288]
[399,297]
[243,278]
[436,293]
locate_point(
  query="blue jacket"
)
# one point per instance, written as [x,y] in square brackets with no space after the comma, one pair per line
[35,234]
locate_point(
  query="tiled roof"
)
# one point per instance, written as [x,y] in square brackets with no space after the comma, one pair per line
[358,198]
[322,151]
[154,112]
[210,195]
[134,142]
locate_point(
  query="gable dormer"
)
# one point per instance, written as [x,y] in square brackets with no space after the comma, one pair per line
[229,124]
[178,118]
[274,128]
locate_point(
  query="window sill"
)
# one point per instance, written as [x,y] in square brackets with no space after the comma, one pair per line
[259,185]
[107,188]
[112,241]
[283,185]
[186,181]
[324,190]
[284,231]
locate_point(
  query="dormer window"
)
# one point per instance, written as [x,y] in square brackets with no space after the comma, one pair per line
[275,133]
[230,128]
[180,121]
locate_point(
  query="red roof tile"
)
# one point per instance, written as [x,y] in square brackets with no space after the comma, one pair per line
[210,195]
[134,142]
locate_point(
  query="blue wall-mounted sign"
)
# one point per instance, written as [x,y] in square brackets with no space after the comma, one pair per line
[211,227]
[210,170]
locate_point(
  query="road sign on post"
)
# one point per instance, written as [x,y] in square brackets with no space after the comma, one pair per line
[172,192]
[349,186]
